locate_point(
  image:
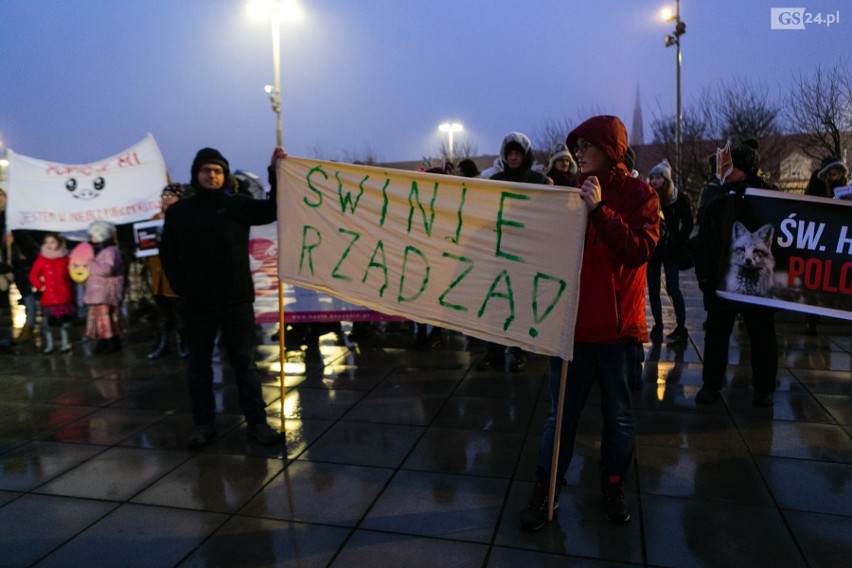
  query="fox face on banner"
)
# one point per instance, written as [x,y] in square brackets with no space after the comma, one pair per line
[792,252]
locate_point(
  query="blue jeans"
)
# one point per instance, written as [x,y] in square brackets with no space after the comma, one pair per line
[672,287]
[613,367]
[237,325]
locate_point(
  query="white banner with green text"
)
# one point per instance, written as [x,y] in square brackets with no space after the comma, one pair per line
[495,260]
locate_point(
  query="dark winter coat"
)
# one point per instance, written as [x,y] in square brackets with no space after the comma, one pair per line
[679,224]
[204,246]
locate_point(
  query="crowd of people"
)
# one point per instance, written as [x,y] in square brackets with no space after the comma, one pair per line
[638,234]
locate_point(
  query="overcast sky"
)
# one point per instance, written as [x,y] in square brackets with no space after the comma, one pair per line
[82,80]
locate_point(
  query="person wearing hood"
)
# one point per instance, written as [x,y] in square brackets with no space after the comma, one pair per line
[205,256]
[104,289]
[831,174]
[561,167]
[670,253]
[516,160]
[49,276]
[623,229]
[736,173]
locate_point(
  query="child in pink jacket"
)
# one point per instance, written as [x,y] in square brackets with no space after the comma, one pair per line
[104,289]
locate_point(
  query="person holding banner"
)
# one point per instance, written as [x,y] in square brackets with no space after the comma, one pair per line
[517,160]
[832,173]
[205,255]
[623,229]
[737,169]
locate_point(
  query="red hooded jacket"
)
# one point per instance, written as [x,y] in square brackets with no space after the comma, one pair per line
[49,274]
[621,236]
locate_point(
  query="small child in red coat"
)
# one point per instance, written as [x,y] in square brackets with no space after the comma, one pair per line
[49,275]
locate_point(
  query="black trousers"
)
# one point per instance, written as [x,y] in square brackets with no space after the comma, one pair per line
[237,325]
[760,325]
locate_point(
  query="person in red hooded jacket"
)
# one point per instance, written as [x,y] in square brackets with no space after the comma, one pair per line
[623,230]
[49,275]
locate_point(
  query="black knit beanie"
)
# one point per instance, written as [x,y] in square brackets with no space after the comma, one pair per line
[746,157]
[209,156]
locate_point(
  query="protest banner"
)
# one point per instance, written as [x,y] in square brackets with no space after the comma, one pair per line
[49,196]
[790,251]
[300,304]
[495,260]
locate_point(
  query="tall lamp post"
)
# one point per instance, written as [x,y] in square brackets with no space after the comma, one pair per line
[275,11]
[450,128]
[670,40]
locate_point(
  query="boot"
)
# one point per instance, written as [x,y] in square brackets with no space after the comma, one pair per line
[101,346]
[182,349]
[48,341]
[65,345]
[161,348]
[113,344]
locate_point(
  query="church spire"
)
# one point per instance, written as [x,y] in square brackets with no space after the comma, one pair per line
[637,136]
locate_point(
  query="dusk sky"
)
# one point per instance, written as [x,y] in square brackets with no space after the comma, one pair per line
[84,79]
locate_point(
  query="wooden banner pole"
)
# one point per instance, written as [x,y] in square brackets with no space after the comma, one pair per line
[557,439]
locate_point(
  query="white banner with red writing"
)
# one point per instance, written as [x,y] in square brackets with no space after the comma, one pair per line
[494,260]
[49,196]
[790,251]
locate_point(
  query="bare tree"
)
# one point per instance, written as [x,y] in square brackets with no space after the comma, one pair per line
[697,143]
[734,111]
[819,109]
[461,150]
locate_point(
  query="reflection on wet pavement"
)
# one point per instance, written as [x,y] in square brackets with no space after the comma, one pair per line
[397,457]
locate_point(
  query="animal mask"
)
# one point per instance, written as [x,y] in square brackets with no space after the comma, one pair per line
[724,162]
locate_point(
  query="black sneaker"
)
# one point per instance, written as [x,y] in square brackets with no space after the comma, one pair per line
[264,434]
[678,335]
[201,435]
[656,333]
[615,502]
[706,396]
[535,514]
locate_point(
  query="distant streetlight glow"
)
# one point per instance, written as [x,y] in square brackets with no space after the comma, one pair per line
[450,128]
[281,10]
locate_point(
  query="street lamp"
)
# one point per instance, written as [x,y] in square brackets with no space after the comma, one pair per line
[674,39]
[450,128]
[275,11]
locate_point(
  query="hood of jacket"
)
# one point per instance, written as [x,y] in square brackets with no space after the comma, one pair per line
[607,133]
[524,142]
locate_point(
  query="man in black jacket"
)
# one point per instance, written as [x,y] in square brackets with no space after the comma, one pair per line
[204,252]
[712,243]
